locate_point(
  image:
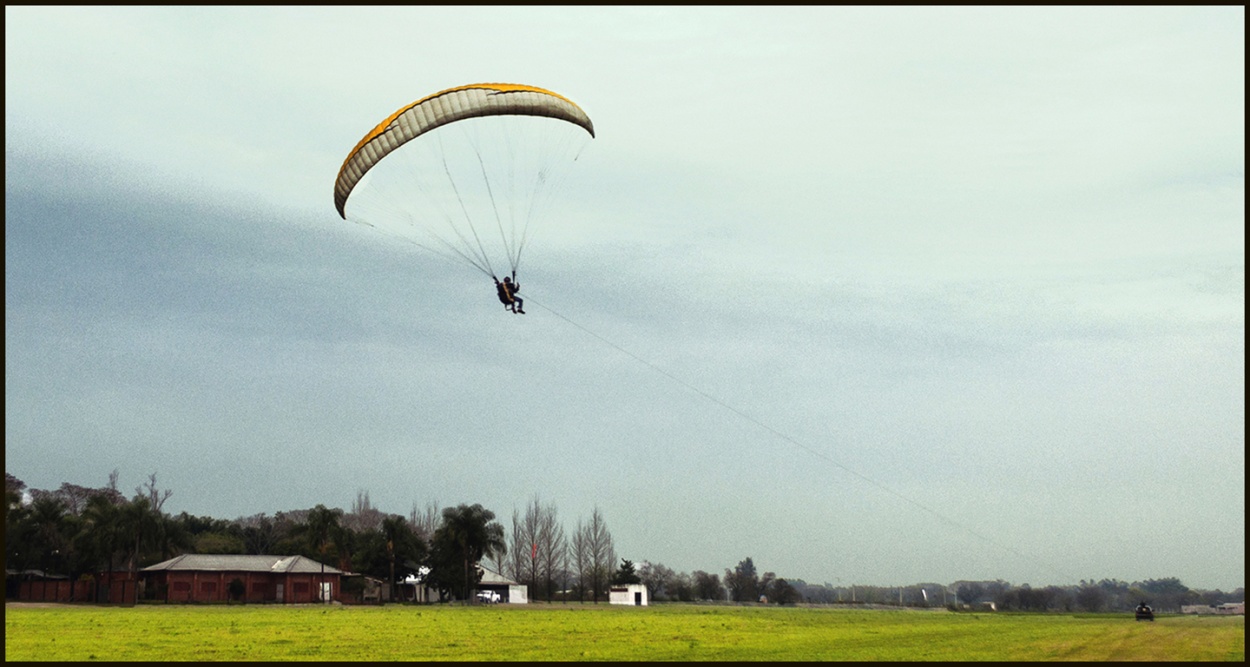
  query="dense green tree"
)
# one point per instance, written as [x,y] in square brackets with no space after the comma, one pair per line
[970,592]
[765,583]
[319,531]
[467,534]
[195,526]
[320,527]
[1064,598]
[1027,598]
[52,528]
[780,591]
[13,488]
[743,582]
[260,533]
[171,539]
[101,536]
[405,550]
[626,573]
[1120,595]
[370,557]
[138,524]
[18,529]
[1090,597]
[218,543]
[707,586]
[1166,586]
[1166,594]
[817,593]
[680,587]
[346,544]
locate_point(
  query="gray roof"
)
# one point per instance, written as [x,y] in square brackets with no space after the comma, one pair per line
[33,573]
[493,578]
[242,563]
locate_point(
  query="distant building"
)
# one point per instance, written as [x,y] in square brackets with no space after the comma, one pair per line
[211,577]
[1227,609]
[39,586]
[631,594]
[413,588]
[495,587]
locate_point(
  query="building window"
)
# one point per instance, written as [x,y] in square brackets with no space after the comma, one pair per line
[181,586]
[208,587]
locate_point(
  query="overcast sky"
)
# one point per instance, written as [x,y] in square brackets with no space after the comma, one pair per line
[869,295]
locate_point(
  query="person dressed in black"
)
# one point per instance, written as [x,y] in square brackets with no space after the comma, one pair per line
[507,293]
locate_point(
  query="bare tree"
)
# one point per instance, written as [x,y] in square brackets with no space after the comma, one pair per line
[425,522]
[539,555]
[552,552]
[580,556]
[363,516]
[145,524]
[156,497]
[598,555]
[522,564]
[658,578]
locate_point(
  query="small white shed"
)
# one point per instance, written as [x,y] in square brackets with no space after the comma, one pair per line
[631,594]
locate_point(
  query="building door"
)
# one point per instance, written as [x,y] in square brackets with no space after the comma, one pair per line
[278,593]
[326,589]
[638,599]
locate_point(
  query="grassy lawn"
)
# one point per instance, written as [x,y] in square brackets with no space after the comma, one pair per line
[602,632]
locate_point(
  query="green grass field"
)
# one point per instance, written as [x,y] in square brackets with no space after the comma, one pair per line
[601,632]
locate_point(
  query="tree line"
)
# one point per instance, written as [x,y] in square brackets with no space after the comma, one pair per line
[78,531]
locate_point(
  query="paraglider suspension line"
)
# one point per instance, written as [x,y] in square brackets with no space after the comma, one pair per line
[941,517]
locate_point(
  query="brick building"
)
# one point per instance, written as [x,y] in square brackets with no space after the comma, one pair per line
[209,578]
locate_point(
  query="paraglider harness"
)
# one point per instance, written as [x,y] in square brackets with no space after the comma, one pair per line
[506,291]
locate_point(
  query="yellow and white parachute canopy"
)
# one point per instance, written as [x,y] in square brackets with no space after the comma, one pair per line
[451,170]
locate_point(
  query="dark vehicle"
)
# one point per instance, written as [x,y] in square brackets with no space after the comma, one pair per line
[1144,612]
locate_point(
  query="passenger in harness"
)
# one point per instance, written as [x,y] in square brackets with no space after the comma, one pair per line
[507,293]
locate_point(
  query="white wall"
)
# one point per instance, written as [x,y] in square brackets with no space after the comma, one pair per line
[516,595]
[625,594]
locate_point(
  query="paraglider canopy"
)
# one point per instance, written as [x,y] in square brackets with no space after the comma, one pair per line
[510,142]
[471,101]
